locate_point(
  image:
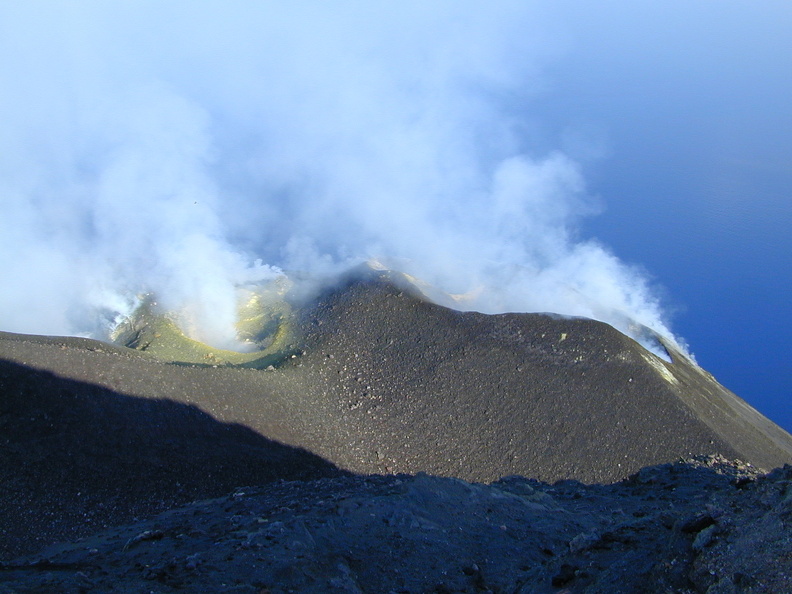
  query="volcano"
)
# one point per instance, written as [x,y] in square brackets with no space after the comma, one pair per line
[381,379]
[371,377]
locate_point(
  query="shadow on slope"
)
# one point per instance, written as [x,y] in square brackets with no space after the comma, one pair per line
[384,381]
[684,527]
[77,457]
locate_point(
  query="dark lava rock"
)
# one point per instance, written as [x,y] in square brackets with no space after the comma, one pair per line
[431,534]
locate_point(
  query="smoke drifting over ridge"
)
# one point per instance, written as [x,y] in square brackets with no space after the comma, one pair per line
[189,149]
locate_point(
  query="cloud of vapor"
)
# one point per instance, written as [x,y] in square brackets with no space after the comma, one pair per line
[186,149]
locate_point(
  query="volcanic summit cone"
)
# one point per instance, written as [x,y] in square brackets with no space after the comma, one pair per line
[371,377]
[411,386]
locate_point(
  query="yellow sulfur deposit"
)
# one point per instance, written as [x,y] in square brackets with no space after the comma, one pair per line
[265,325]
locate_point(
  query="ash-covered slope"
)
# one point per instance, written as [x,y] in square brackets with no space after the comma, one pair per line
[387,381]
[376,380]
[77,457]
[420,387]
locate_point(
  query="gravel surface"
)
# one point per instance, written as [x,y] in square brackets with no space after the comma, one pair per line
[371,442]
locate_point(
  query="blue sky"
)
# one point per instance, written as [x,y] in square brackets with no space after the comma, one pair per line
[617,160]
[691,104]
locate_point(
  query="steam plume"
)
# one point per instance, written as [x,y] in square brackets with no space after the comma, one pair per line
[188,148]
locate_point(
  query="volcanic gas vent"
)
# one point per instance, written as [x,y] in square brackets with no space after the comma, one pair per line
[265,328]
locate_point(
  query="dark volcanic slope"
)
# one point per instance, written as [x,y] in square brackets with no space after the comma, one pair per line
[75,458]
[696,527]
[420,387]
[388,382]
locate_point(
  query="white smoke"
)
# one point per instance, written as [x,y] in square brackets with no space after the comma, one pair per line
[186,149]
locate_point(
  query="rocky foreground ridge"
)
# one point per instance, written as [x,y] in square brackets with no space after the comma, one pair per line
[704,525]
[368,428]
